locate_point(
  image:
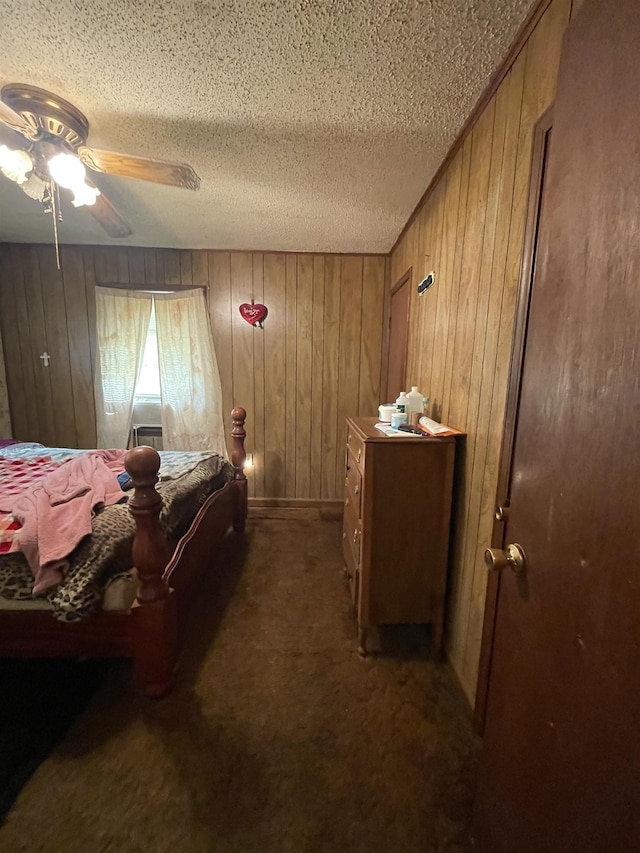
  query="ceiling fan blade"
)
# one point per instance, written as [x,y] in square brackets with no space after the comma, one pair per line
[105,213]
[16,122]
[157,171]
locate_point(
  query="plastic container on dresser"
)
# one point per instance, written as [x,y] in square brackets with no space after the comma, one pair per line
[397,511]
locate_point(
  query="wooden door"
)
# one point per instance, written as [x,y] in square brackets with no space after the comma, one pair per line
[537,184]
[398,337]
[560,768]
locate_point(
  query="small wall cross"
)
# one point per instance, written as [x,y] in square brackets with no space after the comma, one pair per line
[46,358]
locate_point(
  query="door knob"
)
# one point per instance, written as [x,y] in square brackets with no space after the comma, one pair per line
[514,558]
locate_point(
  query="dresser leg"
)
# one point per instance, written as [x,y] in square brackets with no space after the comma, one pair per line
[362,641]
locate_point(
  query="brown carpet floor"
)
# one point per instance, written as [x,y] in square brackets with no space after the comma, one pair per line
[278,738]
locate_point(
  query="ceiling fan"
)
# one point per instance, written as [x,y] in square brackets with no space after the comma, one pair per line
[56,155]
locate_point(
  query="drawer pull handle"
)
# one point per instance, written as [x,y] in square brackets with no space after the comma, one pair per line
[344,535]
[356,491]
[355,536]
[359,454]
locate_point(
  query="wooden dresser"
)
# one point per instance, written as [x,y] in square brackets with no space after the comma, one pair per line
[395,538]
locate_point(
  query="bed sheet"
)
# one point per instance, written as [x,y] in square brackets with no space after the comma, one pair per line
[173,463]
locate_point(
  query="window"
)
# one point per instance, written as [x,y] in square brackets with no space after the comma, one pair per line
[148,384]
[134,341]
[146,399]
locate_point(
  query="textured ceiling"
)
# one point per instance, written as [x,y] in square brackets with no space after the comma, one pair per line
[315,125]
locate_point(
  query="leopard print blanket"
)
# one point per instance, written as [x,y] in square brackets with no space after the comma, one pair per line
[106,554]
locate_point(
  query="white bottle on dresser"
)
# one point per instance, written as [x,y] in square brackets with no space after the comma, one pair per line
[402,404]
[415,403]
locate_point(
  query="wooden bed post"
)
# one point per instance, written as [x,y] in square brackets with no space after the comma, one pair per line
[155,643]
[238,458]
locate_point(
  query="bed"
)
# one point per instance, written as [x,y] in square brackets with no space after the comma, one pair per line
[166,561]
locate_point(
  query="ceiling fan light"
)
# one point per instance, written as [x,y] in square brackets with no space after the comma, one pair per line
[67,171]
[34,187]
[84,195]
[15,164]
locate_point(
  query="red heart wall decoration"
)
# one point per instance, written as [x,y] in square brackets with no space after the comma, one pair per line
[254,314]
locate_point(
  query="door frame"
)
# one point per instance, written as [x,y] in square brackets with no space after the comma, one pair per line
[405,278]
[539,158]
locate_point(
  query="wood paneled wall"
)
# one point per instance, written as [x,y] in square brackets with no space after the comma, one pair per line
[470,231]
[316,361]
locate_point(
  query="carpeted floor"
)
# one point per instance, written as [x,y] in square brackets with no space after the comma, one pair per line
[278,738]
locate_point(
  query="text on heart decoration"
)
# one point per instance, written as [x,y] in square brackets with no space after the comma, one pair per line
[253,313]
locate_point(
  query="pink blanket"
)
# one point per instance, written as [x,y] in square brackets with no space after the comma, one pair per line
[56,511]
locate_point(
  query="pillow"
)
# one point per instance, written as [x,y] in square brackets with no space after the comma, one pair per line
[15,449]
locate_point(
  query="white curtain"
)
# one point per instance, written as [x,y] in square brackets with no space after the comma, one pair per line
[190,386]
[122,321]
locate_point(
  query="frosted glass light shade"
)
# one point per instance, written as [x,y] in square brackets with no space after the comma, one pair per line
[84,194]
[67,171]
[34,187]
[15,165]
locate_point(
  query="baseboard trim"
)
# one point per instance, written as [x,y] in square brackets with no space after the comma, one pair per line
[296,503]
[298,509]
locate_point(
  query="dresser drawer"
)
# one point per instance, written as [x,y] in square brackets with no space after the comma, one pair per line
[353,485]
[351,535]
[355,446]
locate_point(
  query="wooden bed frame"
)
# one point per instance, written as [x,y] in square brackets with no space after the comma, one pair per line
[151,631]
